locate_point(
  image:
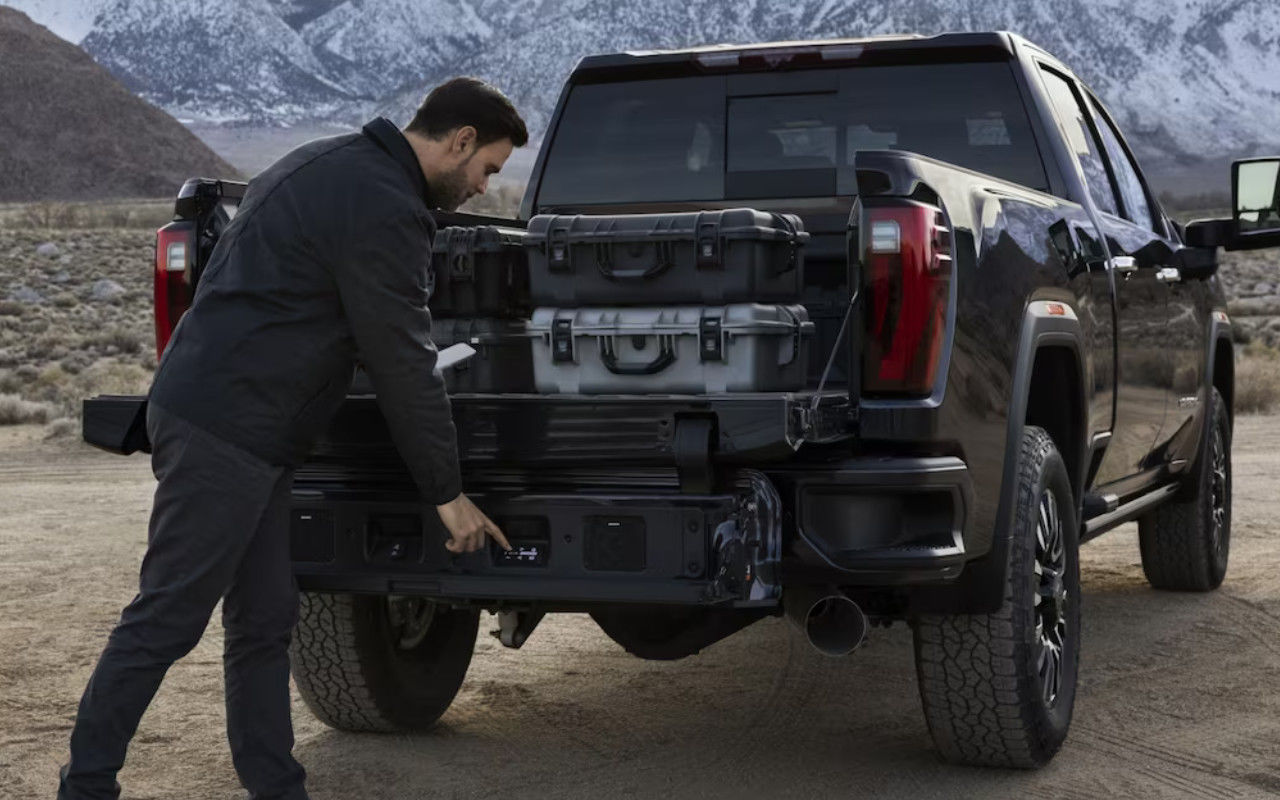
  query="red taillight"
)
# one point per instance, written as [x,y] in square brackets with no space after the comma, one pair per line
[906,252]
[175,248]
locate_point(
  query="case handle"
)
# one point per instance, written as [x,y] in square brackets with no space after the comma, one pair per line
[665,358]
[604,262]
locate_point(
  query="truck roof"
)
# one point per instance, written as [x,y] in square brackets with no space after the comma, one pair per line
[724,56]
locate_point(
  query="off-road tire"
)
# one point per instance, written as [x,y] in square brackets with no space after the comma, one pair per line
[356,674]
[980,675]
[1183,547]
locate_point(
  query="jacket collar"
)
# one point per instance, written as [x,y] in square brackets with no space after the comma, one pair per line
[392,141]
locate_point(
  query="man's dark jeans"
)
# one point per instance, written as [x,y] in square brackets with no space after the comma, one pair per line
[219,529]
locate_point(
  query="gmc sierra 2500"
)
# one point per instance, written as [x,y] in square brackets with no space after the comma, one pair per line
[1018,350]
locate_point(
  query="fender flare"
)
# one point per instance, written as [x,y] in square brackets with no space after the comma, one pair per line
[1219,330]
[980,586]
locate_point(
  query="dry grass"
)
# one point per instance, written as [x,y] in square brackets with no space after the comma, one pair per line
[53,216]
[15,410]
[1257,380]
[66,346]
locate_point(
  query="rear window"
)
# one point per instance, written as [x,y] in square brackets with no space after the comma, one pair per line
[742,136]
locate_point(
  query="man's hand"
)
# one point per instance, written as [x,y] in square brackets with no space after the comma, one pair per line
[467,526]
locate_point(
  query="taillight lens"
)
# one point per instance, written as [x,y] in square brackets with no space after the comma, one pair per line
[906,256]
[175,248]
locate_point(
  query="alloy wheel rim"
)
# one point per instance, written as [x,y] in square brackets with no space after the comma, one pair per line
[1051,597]
[1218,492]
[410,619]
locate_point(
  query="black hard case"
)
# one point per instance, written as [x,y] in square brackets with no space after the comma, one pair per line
[704,257]
[480,271]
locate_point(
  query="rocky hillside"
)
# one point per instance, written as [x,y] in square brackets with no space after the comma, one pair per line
[70,130]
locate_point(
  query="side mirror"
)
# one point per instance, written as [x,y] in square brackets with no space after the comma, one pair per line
[1255,200]
[1255,210]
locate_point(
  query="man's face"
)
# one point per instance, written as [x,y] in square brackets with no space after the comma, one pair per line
[465,168]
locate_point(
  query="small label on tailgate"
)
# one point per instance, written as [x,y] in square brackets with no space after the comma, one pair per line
[521,554]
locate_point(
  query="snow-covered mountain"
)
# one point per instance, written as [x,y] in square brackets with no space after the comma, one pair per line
[69,19]
[1187,78]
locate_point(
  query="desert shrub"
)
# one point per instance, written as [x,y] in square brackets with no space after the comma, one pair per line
[12,308]
[147,360]
[52,345]
[48,215]
[15,410]
[62,428]
[137,214]
[49,383]
[1257,388]
[124,340]
[108,376]
[65,300]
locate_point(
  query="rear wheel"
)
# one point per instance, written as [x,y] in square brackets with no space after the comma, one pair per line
[1185,543]
[380,663]
[999,689]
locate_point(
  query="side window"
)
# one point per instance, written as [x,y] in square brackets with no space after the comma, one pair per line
[1081,140]
[1136,207]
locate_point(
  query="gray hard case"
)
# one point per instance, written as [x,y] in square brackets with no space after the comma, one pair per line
[740,347]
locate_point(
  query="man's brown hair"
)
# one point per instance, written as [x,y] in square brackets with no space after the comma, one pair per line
[469,101]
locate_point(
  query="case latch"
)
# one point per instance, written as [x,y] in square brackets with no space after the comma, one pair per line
[562,341]
[559,257]
[707,236]
[462,254]
[710,339]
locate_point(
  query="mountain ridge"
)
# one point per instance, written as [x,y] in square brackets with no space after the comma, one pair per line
[1188,83]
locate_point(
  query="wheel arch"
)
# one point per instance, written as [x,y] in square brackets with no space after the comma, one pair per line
[1047,390]
[1221,369]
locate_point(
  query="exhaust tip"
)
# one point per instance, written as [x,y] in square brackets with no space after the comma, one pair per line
[833,624]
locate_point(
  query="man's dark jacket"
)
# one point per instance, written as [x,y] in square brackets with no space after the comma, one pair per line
[326,260]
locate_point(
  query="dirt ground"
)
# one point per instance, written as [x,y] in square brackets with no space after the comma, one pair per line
[1180,694]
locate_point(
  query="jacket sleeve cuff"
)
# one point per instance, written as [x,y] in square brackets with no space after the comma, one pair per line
[447,491]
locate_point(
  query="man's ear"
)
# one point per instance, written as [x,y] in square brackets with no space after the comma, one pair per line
[464,140]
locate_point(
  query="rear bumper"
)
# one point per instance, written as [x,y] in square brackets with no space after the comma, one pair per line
[585,547]
[632,537]
[881,521]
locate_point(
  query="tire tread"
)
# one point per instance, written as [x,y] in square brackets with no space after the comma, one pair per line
[972,668]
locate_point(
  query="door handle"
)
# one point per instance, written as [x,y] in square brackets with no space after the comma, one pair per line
[1168,275]
[1124,265]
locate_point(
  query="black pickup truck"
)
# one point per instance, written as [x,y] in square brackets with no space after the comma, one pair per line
[1019,351]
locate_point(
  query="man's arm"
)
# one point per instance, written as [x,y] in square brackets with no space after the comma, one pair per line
[382,281]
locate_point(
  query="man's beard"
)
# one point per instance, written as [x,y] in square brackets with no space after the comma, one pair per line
[449,190]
